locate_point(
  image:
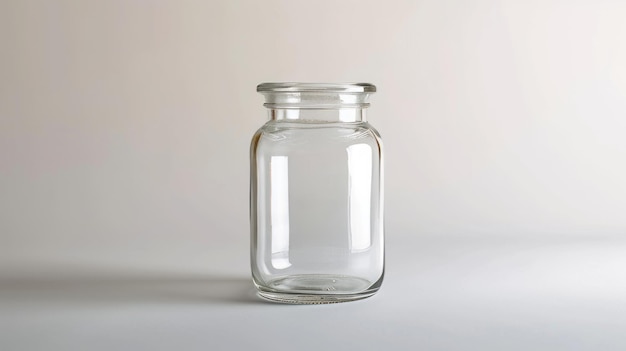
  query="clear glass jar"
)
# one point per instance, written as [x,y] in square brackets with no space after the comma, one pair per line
[316,195]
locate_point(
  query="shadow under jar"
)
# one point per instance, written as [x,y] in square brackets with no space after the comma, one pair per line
[316,195]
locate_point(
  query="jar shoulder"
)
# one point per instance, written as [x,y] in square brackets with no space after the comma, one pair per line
[286,132]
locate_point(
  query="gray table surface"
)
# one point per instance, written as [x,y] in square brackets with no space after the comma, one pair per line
[438,294]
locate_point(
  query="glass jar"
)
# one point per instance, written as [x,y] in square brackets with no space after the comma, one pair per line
[316,195]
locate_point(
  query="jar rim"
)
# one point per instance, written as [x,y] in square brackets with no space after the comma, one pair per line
[293,87]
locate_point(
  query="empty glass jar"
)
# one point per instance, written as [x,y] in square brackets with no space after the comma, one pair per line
[316,195]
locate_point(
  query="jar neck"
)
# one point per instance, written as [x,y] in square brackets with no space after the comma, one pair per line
[344,115]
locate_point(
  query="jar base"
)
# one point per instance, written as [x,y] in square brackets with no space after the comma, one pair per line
[317,289]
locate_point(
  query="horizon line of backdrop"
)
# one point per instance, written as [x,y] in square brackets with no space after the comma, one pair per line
[125,125]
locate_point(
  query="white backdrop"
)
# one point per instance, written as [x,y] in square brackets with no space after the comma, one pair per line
[125,125]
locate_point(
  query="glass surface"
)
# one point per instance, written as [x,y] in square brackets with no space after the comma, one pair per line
[316,199]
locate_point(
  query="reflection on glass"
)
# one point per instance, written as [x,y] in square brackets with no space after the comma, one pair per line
[347,115]
[360,189]
[280,211]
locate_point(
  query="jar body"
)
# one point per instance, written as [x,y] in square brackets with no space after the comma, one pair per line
[317,233]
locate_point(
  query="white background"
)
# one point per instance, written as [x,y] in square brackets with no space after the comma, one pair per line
[124,135]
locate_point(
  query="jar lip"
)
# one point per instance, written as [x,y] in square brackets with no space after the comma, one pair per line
[293,87]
